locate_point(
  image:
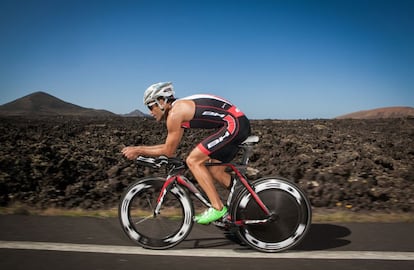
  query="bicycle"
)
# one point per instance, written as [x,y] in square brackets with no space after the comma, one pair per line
[271,214]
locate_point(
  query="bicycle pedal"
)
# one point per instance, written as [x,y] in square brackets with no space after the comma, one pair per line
[223,223]
[219,224]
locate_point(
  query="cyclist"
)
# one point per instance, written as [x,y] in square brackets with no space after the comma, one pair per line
[197,111]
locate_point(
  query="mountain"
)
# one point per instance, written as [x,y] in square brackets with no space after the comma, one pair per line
[387,112]
[136,113]
[43,104]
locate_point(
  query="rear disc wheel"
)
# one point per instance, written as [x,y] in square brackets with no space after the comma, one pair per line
[291,215]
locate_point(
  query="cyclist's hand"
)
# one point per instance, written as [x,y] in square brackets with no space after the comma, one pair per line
[131,152]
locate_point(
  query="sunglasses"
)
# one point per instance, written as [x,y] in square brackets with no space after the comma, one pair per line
[151,105]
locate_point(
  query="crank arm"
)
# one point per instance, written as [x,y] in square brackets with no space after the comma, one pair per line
[257,221]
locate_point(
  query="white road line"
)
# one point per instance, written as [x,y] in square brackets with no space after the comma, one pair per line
[228,253]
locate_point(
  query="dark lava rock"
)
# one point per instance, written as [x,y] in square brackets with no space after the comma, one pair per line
[76,162]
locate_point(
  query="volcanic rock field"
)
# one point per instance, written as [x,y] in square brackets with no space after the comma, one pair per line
[70,162]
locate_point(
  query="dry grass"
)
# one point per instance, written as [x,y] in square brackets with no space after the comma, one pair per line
[318,216]
[20,209]
[343,216]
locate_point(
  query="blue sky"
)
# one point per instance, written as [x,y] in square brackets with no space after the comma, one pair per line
[291,59]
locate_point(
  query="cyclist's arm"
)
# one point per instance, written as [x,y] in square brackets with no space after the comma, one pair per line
[181,112]
[167,149]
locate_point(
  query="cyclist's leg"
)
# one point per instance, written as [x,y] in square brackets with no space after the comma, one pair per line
[223,146]
[219,174]
[229,147]
[196,162]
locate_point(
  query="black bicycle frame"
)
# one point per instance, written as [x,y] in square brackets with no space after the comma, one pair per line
[180,179]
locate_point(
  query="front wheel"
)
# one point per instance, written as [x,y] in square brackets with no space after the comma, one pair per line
[290,209]
[161,231]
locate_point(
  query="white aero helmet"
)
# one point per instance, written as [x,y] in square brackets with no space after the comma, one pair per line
[161,89]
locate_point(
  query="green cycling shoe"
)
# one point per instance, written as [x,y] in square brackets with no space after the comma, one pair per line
[210,215]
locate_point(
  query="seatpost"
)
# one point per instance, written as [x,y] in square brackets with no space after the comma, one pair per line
[247,153]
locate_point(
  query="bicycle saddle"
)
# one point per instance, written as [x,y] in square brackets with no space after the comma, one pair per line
[251,140]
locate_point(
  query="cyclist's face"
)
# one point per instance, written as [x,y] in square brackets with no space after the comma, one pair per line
[156,111]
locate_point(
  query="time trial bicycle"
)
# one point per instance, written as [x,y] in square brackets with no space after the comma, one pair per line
[271,214]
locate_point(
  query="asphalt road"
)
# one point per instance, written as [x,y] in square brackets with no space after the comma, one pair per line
[36,242]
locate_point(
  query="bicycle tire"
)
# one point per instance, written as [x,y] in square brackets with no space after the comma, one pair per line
[163,231]
[291,209]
